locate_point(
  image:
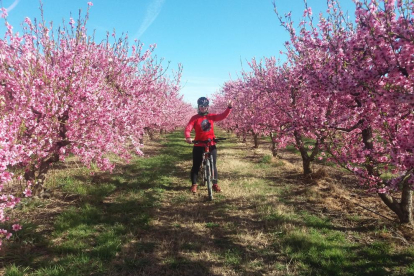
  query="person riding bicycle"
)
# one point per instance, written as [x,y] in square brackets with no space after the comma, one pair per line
[203,124]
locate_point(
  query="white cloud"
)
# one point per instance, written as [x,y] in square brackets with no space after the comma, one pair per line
[12,6]
[152,12]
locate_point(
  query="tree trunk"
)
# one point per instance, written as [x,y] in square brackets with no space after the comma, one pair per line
[274,149]
[38,188]
[256,140]
[151,135]
[306,160]
[306,165]
[38,181]
[404,212]
[402,208]
[407,203]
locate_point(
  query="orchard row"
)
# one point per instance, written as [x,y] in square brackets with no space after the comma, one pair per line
[63,94]
[348,87]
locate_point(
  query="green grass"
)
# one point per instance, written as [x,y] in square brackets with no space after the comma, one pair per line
[319,253]
[233,257]
[142,220]
[212,225]
[180,199]
[86,238]
[14,270]
[266,159]
[321,250]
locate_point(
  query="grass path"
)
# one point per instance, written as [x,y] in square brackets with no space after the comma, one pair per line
[143,220]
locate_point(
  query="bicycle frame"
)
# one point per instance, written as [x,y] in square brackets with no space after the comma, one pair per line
[207,169]
[207,166]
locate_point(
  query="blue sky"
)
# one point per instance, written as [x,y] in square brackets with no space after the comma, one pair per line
[212,39]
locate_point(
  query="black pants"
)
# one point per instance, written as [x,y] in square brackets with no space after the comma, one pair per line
[198,158]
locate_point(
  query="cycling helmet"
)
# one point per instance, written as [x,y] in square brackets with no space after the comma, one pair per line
[203,101]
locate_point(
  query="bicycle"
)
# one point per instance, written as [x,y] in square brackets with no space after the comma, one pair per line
[206,168]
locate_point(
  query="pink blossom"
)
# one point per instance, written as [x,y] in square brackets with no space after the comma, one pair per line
[3,13]
[350,87]
[382,191]
[16,227]
[28,21]
[90,100]
[27,192]
[72,22]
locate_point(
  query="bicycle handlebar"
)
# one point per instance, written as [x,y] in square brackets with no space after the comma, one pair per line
[208,141]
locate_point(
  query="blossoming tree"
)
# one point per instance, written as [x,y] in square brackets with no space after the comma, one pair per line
[350,87]
[61,93]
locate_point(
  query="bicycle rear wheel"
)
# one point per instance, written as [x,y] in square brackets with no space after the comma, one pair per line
[208,167]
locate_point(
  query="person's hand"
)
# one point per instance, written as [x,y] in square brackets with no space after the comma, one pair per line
[188,140]
[230,104]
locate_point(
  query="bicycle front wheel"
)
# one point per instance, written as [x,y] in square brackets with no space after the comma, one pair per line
[203,174]
[208,167]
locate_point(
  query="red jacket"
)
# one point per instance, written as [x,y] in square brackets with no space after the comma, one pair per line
[204,126]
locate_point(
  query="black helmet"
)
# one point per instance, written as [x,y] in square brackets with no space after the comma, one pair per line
[203,101]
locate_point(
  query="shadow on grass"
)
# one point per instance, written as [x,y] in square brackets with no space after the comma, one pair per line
[127,230]
[322,251]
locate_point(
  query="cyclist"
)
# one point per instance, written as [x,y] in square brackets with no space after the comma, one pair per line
[203,124]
